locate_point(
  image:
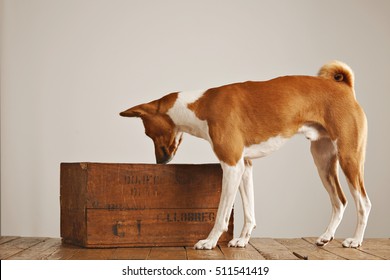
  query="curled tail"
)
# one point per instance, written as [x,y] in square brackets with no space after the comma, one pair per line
[337,71]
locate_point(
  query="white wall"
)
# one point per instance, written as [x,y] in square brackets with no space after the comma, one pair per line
[69,67]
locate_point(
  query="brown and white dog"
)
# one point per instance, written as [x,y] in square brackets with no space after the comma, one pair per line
[248,120]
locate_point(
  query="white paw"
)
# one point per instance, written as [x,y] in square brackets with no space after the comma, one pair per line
[238,242]
[352,243]
[324,239]
[206,244]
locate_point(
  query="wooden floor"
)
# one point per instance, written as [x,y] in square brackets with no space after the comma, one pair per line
[31,248]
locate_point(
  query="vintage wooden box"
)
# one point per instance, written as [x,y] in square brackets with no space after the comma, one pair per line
[131,205]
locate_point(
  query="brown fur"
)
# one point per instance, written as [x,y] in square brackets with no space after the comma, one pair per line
[256,111]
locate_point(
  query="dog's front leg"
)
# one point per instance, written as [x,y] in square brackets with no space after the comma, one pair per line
[248,203]
[230,181]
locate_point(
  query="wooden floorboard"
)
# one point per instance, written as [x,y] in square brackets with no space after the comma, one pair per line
[18,245]
[270,249]
[5,239]
[379,247]
[193,254]
[308,250]
[167,253]
[37,248]
[336,248]
[39,251]
[248,253]
[64,252]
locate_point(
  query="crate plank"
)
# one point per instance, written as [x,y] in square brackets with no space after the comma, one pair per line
[131,253]
[142,186]
[150,227]
[73,196]
[148,186]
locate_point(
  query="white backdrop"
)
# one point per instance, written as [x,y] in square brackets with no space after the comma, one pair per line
[69,67]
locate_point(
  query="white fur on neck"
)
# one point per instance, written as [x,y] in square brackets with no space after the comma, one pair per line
[185,119]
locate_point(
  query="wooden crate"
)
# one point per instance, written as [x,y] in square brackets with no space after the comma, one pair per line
[135,205]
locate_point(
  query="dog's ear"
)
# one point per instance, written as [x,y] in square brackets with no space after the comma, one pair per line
[133,112]
[138,111]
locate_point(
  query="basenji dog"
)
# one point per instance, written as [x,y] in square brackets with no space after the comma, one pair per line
[248,120]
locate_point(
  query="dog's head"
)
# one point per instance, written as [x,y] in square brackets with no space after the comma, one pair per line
[158,126]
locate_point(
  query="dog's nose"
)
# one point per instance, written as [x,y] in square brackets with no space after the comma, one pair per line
[164,160]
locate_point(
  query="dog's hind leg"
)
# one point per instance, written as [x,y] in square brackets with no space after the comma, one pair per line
[230,182]
[325,157]
[352,165]
[351,148]
[247,196]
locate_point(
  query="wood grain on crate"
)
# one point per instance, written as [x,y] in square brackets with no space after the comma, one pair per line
[37,248]
[107,205]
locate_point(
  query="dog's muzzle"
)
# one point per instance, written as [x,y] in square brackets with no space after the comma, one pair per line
[164,160]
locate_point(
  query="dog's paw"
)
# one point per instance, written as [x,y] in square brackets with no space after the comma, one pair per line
[352,243]
[324,239]
[238,242]
[206,244]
